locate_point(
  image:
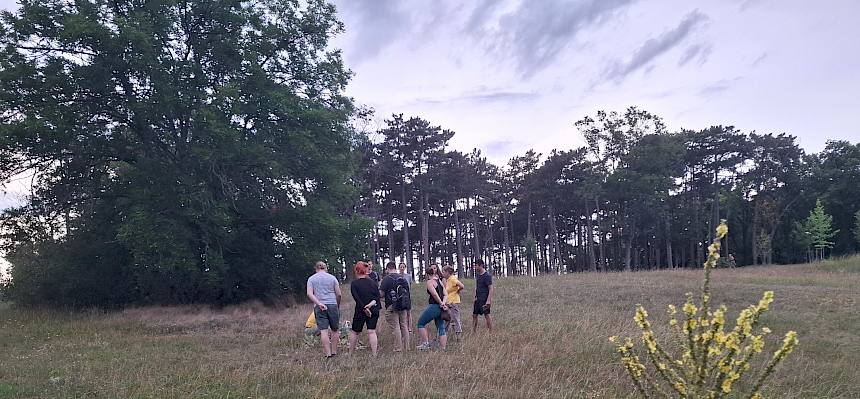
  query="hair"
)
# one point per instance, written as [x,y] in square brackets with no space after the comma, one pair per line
[320,265]
[361,269]
[448,269]
[391,266]
[430,271]
[402,264]
[480,262]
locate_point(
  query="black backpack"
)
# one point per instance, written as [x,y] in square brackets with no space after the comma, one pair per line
[398,297]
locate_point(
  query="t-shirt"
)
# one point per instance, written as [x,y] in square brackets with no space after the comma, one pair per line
[363,291]
[389,282]
[373,275]
[324,286]
[452,289]
[312,321]
[482,286]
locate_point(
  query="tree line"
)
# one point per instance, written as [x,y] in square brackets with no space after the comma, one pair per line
[205,152]
[634,197]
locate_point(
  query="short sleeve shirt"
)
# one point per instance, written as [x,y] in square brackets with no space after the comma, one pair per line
[452,289]
[324,286]
[482,286]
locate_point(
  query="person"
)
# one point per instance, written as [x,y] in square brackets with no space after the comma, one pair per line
[483,296]
[402,269]
[324,291]
[436,303]
[372,274]
[311,328]
[365,292]
[394,286]
[453,286]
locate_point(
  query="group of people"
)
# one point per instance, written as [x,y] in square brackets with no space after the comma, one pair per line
[391,296]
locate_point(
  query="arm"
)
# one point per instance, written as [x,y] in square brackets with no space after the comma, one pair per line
[337,293]
[490,295]
[314,299]
[460,286]
[431,287]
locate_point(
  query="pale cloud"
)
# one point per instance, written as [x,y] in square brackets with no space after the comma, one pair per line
[654,47]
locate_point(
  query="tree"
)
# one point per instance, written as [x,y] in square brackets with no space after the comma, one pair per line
[857,227]
[818,230]
[183,151]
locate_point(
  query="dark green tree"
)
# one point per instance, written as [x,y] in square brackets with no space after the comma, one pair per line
[182,151]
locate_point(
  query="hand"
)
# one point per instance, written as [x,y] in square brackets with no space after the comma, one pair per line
[367,311]
[444,306]
[486,306]
[323,307]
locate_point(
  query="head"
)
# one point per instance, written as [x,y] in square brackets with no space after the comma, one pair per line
[361,269]
[447,271]
[320,266]
[402,267]
[431,271]
[435,267]
[480,267]
[390,267]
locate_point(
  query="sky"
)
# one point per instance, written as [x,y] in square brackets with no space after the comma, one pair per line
[511,75]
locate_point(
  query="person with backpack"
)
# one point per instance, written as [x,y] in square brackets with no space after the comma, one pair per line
[402,268]
[398,302]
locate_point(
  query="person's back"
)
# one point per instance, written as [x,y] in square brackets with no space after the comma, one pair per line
[324,286]
[396,316]
[323,290]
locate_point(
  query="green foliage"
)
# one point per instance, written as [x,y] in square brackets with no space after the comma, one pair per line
[712,359]
[857,227]
[816,231]
[182,151]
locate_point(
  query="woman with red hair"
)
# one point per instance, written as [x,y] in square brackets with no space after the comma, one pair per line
[366,295]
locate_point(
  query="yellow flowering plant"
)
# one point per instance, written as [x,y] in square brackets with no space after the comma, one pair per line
[707,357]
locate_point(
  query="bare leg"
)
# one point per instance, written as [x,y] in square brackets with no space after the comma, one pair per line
[326,342]
[443,341]
[423,333]
[489,322]
[374,342]
[335,340]
[353,337]
[474,323]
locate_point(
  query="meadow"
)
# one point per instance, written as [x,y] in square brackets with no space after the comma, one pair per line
[550,341]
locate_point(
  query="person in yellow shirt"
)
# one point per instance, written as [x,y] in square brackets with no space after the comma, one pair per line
[311,325]
[453,286]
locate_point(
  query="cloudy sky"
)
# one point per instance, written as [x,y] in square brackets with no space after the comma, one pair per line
[515,74]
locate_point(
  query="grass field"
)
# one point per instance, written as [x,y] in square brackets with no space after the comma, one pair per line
[551,341]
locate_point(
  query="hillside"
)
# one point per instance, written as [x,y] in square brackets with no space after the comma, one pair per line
[551,341]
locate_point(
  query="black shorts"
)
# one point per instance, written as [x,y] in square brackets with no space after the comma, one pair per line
[359,319]
[479,309]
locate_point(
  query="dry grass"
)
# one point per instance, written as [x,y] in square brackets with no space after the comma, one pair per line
[551,341]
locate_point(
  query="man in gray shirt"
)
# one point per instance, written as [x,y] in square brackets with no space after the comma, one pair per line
[324,292]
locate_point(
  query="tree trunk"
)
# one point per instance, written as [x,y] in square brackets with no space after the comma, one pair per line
[592,262]
[669,262]
[600,244]
[459,239]
[755,221]
[554,243]
[508,252]
[407,246]
[390,225]
[425,230]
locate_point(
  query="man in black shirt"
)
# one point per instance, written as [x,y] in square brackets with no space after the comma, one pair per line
[395,285]
[483,296]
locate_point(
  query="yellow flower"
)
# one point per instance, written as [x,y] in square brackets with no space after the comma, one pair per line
[722,230]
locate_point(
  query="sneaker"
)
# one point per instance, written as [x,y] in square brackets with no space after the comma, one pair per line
[424,346]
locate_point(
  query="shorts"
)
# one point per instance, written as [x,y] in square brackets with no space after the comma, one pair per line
[360,318]
[328,319]
[479,309]
[433,313]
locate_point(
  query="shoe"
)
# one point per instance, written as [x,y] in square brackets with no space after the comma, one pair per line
[423,347]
